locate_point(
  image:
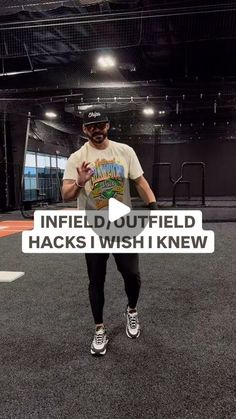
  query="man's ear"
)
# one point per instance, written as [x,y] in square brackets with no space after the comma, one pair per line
[108,125]
[84,129]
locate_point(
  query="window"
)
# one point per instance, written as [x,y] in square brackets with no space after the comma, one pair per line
[43,160]
[53,161]
[30,159]
[43,173]
[61,161]
[30,171]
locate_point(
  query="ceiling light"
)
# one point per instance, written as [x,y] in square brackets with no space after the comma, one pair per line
[84,107]
[148,111]
[106,61]
[50,114]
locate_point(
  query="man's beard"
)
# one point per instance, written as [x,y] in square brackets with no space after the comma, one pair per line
[97,138]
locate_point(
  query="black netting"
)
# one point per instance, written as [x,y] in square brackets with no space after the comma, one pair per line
[77,34]
[69,37]
[16,6]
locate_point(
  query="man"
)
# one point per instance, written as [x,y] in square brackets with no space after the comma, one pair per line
[99,170]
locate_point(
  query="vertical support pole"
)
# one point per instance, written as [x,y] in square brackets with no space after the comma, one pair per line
[25,151]
[157,157]
[5,160]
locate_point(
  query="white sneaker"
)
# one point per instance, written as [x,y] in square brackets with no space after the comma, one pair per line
[99,343]
[132,323]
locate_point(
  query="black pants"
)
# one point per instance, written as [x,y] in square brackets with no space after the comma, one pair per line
[128,266]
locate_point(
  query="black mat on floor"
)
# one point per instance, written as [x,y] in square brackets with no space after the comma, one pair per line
[182,366]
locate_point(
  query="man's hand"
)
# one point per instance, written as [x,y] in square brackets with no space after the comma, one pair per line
[84,174]
[153,205]
[72,188]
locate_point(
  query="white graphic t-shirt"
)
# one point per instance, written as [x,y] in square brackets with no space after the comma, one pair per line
[113,167]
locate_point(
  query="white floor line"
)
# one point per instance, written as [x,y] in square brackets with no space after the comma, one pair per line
[9,276]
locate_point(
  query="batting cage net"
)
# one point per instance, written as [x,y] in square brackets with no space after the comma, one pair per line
[34,35]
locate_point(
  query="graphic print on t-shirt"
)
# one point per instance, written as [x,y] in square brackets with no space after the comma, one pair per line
[107,181]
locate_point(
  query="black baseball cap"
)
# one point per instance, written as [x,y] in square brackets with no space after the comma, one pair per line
[94,116]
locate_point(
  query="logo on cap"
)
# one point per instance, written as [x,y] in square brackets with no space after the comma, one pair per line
[93,114]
